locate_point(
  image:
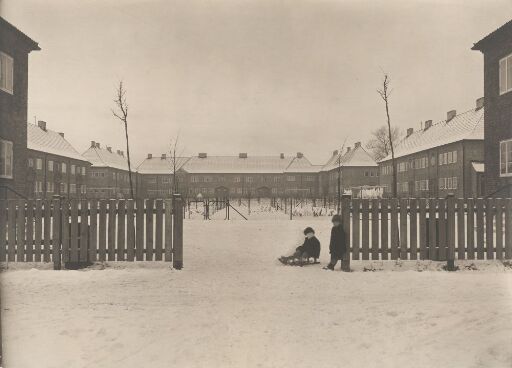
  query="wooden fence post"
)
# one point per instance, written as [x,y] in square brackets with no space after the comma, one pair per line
[177,261]
[450,236]
[56,231]
[345,215]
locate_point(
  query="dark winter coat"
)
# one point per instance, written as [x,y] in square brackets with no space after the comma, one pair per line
[311,247]
[337,246]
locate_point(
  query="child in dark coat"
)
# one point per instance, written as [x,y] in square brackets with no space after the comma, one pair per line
[310,248]
[337,245]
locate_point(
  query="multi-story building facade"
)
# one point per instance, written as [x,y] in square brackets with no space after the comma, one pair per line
[439,159]
[356,168]
[497,50]
[108,175]
[54,166]
[249,176]
[14,49]
[155,176]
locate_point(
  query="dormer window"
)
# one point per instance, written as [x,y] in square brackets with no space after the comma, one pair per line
[506,74]
[6,73]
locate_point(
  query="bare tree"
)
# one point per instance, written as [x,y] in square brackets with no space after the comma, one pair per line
[175,161]
[121,112]
[380,144]
[338,161]
[385,93]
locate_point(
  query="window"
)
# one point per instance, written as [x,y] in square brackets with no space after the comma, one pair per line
[39,164]
[6,159]
[290,178]
[83,189]
[49,187]
[165,180]
[194,179]
[50,165]
[274,190]
[30,162]
[64,168]
[366,173]
[72,169]
[505,74]
[454,182]
[63,187]
[6,73]
[38,187]
[310,178]
[442,183]
[506,158]
[152,180]
[83,170]
[276,179]
[72,188]
[248,179]
[454,156]
[237,179]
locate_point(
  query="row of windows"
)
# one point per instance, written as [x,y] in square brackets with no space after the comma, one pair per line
[447,158]
[54,166]
[421,185]
[211,191]
[448,183]
[50,187]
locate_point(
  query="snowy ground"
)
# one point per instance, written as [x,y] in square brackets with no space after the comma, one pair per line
[233,305]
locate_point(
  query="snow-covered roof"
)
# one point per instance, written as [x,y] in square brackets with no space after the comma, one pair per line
[301,164]
[159,165]
[479,167]
[355,157]
[103,157]
[50,142]
[468,125]
[237,165]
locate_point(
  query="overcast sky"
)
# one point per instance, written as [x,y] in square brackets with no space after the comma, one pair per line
[261,76]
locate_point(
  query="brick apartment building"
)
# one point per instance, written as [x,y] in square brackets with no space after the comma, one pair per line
[245,175]
[14,49]
[497,50]
[108,175]
[440,159]
[358,169]
[155,177]
[54,166]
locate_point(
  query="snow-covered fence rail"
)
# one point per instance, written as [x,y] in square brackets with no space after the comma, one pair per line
[80,231]
[435,229]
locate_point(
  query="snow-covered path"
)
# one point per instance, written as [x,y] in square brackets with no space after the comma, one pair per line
[233,305]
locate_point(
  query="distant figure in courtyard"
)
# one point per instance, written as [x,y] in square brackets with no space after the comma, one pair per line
[337,245]
[309,249]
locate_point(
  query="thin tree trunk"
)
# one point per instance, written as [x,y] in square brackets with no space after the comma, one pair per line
[128,158]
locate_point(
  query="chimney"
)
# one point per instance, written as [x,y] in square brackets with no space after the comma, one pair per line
[428,124]
[42,124]
[300,155]
[109,149]
[98,145]
[357,145]
[93,144]
[450,115]
[150,156]
[122,153]
[479,103]
[242,155]
[348,149]
[335,153]
[202,155]
[282,155]
[61,134]
[118,152]
[164,156]
[410,131]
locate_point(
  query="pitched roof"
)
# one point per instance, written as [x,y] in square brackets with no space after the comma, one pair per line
[468,125]
[505,28]
[236,165]
[159,165]
[51,142]
[356,157]
[302,165]
[31,44]
[102,157]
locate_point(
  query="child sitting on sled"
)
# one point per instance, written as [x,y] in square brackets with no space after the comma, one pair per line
[309,249]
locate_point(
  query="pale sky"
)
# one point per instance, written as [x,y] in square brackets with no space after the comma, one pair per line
[262,77]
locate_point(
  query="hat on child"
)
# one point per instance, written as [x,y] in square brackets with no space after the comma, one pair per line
[336,218]
[308,230]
